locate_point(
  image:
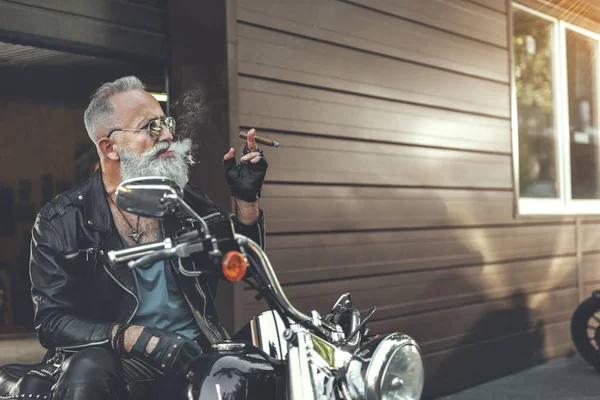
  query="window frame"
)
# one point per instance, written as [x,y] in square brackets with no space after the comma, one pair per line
[564,204]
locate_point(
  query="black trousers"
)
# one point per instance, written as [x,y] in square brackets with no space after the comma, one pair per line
[98,373]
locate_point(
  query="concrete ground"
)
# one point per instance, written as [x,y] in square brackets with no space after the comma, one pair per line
[568,378]
[20,348]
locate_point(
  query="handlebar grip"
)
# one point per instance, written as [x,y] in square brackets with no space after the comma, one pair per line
[131,253]
[151,258]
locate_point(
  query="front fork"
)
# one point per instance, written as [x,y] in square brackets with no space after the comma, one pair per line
[312,365]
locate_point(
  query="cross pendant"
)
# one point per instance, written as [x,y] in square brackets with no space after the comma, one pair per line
[135,235]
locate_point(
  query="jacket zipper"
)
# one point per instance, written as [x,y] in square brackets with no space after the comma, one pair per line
[79,346]
[78,252]
[197,284]
[260,234]
[211,215]
[88,252]
[137,302]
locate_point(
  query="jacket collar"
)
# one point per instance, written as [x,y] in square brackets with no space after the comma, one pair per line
[96,209]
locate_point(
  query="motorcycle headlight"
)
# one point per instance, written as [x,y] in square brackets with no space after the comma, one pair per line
[393,370]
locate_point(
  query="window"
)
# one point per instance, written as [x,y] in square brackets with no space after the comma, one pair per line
[556,69]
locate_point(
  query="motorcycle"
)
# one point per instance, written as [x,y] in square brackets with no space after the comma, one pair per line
[281,353]
[585,329]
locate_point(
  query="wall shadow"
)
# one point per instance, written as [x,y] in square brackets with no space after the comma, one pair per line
[500,343]
[469,333]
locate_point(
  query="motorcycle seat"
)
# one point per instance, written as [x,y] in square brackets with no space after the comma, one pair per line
[26,381]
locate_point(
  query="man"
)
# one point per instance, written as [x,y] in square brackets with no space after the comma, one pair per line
[125,329]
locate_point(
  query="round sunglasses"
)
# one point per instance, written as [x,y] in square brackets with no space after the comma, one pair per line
[154,127]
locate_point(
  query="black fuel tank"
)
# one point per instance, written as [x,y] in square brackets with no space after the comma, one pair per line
[236,371]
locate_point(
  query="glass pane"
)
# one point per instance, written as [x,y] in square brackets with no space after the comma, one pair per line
[538,166]
[583,115]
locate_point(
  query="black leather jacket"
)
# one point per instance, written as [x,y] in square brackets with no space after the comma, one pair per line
[76,295]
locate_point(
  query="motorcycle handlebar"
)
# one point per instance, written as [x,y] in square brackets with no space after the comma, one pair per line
[273,284]
[271,279]
[151,258]
[120,256]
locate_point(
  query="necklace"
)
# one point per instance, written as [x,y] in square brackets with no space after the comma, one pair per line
[135,232]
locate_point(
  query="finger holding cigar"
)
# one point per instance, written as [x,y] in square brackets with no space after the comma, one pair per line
[261,140]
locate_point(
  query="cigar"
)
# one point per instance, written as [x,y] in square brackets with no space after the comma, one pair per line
[261,140]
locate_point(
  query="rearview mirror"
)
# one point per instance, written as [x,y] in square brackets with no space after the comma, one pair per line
[148,196]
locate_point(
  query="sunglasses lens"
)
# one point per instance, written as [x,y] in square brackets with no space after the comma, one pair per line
[170,124]
[156,126]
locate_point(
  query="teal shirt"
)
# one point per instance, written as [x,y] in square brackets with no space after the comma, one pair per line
[162,304]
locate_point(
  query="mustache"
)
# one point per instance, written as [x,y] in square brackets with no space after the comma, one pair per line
[154,151]
[182,148]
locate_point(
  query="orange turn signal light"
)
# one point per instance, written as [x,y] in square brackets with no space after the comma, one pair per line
[234,266]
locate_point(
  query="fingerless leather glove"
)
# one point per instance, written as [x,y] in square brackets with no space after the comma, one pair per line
[246,179]
[172,354]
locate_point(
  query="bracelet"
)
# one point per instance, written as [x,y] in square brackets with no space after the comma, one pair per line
[121,350]
[118,343]
[115,339]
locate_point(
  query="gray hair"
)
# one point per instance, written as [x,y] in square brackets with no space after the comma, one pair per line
[100,107]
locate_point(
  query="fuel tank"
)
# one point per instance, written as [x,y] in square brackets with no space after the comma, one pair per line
[236,371]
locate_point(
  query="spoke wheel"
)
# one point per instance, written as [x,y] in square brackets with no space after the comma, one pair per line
[585,331]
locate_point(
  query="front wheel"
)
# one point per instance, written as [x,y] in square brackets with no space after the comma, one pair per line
[585,331]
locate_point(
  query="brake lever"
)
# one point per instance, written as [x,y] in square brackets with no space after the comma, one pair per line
[345,301]
[187,236]
[342,304]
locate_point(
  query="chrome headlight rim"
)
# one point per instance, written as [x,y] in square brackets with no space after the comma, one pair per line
[380,360]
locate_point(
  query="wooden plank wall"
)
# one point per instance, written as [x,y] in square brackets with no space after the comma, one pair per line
[590,256]
[134,29]
[394,182]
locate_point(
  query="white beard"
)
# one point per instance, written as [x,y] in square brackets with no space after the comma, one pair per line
[175,167]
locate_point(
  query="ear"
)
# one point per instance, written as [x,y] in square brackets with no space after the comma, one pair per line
[109,148]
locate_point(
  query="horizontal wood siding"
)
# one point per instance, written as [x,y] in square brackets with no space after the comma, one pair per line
[591,237]
[463,17]
[129,30]
[375,32]
[332,255]
[314,207]
[393,180]
[548,307]
[496,5]
[287,107]
[399,294]
[590,259]
[284,57]
[326,160]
